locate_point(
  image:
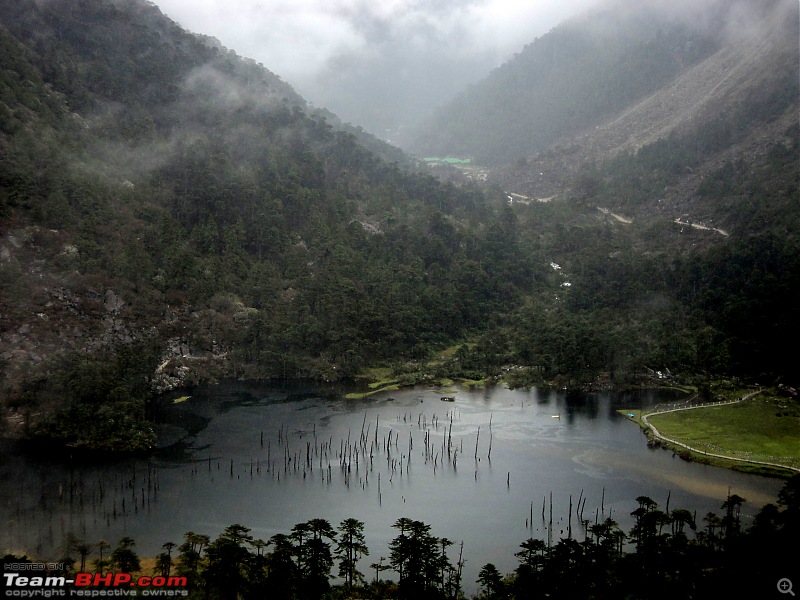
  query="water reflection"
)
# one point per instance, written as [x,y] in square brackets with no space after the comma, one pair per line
[481,469]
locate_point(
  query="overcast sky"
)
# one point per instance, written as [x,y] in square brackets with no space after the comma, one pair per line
[376,63]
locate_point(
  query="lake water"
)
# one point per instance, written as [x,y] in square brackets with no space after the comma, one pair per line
[272,456]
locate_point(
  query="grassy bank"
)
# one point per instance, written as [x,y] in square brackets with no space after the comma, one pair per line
[378,379]
[764,428]
[441,371]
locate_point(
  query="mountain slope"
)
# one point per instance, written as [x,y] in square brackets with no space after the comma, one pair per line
[664,143]
[578,73]
[734,106]
[172,213]
[752,67]
[722,97]
[638,70]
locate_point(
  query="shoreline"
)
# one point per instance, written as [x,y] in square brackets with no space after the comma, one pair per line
[692,454]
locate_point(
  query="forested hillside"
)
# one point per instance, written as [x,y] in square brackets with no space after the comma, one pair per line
[172,213]
[652,148]
[170,206]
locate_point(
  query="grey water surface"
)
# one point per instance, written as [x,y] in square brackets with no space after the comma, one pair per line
[270,456]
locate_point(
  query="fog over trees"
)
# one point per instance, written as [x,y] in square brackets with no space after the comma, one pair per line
[609,202]
[195,208]
[379,65]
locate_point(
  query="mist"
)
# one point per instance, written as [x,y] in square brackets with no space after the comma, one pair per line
[383,65]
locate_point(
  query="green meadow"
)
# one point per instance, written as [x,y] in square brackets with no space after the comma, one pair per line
[764,428]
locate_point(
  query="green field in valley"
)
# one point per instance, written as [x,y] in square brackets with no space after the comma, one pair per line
[763,428]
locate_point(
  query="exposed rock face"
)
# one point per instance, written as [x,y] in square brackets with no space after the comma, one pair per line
[113,303]
[183,365]
[49,313]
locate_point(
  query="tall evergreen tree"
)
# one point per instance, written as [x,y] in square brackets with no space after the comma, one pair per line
[349,549]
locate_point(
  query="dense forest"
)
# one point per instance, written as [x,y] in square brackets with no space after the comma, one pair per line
[172,213]
[668,553]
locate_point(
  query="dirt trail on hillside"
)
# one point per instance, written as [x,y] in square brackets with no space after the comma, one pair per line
[741,68]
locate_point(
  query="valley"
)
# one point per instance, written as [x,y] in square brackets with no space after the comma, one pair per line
[202,274]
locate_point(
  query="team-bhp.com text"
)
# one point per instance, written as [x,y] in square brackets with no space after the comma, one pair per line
[93,585]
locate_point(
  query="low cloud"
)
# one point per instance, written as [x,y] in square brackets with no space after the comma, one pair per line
[381,64]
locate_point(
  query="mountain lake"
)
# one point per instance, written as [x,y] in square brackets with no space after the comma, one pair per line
[479,466]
